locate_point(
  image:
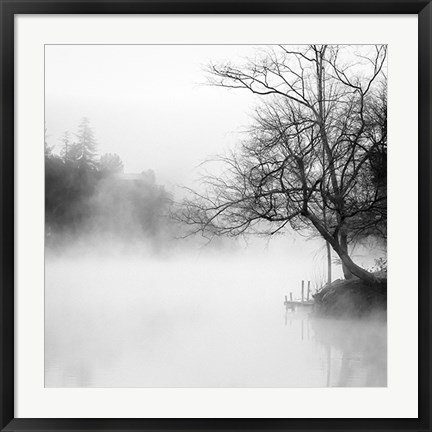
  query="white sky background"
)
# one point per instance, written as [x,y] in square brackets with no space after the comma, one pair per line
[147,103]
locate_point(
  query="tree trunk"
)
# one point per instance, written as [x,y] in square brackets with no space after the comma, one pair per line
[351,266]
[329,269]
[344,246]
[356,270]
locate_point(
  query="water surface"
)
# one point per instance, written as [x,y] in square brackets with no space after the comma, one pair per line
[181,323]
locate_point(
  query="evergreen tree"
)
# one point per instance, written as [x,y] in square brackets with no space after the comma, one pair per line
[84,150]
[47,148]
[66,150]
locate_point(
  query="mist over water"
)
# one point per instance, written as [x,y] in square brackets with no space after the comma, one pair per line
[214,319]
[134,295]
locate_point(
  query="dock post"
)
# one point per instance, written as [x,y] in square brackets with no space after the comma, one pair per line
[286,299]
[308,291]
[291,296]
[302,291]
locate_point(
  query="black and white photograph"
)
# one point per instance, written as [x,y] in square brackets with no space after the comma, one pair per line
[215,216]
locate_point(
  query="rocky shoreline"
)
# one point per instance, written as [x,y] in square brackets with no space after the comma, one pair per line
[351,299]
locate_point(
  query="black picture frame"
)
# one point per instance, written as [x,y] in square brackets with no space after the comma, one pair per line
[10,8]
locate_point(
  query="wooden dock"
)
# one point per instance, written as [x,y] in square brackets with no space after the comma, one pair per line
[298,304]
[289,304]
[294,304]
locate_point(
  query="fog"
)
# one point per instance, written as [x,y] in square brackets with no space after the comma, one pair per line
[203,322]
[147,103]
[211,316]
[130,300]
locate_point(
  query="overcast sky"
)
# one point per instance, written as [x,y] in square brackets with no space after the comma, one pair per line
[147,103]
[150,103]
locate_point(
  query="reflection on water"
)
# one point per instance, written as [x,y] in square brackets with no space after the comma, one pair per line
[143,326]
[354,352]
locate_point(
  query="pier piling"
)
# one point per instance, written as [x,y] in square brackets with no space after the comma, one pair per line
[302,292]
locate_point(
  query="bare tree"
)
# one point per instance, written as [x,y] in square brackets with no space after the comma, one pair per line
[308,160]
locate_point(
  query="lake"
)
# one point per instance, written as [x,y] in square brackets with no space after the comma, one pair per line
[141,322]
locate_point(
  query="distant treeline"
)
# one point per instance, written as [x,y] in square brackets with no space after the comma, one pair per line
[86,193]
